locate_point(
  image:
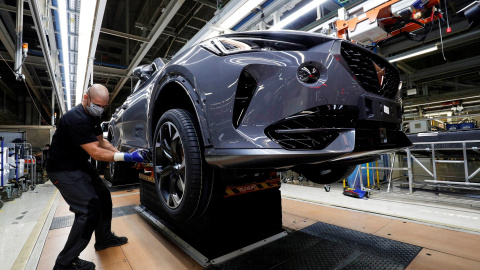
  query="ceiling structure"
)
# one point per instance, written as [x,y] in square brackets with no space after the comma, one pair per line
[134,32]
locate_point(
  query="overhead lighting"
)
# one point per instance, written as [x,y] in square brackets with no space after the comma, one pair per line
[84,38]
[299,13]
[410,55]
[240,13]
[62,12]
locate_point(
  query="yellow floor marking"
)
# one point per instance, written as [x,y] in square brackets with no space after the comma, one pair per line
[24,254]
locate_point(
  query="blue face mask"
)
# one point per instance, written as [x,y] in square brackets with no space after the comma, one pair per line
[94,110]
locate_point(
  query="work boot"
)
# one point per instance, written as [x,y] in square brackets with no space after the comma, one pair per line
[77,264]
[111,241]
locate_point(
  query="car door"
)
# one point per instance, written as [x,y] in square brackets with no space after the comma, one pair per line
[134,116]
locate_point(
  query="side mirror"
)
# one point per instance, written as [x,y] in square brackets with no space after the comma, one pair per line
[143,72]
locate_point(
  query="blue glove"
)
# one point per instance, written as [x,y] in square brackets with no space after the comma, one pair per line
[136,156]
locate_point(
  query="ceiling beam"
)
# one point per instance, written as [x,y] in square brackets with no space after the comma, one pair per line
[30,60]
[207,3]
[109,70]
[14,9]
[186,19]
[447,70]
[10,46]
[37,15]
[97,24]
[122,35]
[160,25]
[7,89]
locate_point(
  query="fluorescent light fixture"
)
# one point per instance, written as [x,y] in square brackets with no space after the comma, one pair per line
[410,55]
[84,37]
[62,13]
[240,13]
[299,13]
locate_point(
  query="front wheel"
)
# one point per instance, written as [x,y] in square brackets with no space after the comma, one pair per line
[180,169]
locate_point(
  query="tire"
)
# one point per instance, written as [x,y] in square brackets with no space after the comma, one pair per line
[328,176]
[1,204]
[180,169]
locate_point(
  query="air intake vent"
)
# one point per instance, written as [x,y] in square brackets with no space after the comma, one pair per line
[373,72]
[245,90]
[314,129]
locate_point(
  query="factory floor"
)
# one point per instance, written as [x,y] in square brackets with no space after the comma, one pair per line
[34,227]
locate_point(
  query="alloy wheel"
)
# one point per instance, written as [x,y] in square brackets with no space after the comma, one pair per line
[170,165]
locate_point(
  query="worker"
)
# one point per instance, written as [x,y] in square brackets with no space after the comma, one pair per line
[77,137]
[45,154]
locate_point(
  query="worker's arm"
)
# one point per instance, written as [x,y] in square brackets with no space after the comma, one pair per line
[97,152]
[100,154]
[105,144]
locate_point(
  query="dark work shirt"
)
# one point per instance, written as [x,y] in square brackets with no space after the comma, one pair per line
[75,128]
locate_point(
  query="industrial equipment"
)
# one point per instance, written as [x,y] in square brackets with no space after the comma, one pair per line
[378,20]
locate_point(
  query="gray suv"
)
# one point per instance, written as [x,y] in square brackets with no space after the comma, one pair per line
[243,105]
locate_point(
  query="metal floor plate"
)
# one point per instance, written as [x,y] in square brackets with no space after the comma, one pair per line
[325,246]
[396,251]
[271,254]
[67,221]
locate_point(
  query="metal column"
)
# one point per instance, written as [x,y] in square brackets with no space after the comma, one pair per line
[465,163]
[410,174]
[53,108]
[18,52]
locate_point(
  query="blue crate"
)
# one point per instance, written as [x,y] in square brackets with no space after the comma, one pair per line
[467,126]
[453,126]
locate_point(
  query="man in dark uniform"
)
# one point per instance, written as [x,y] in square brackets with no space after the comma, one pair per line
[77,137]
[45,155]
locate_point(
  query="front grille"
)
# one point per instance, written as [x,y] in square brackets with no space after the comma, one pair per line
[291,132]
[361,63]
[315,129]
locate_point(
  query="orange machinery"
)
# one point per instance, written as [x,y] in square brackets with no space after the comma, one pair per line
[372,26]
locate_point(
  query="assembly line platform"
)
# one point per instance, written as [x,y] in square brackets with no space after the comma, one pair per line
[316,236]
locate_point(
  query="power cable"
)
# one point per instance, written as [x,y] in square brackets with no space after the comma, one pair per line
[441,39]
[446,15]
[28,90]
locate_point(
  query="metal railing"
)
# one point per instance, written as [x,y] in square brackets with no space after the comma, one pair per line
[433,172]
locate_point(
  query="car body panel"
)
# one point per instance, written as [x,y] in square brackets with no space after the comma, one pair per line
[212,82]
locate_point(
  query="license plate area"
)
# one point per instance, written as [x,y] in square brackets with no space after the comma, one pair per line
[375,109]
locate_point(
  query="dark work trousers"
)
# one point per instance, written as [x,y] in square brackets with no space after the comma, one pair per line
[90,200]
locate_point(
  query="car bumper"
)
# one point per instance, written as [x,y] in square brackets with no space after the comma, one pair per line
[342,148]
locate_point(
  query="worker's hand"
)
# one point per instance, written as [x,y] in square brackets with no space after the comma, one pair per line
[136,156]
[139,156]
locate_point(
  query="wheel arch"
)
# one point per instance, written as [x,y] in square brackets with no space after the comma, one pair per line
[175,91]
